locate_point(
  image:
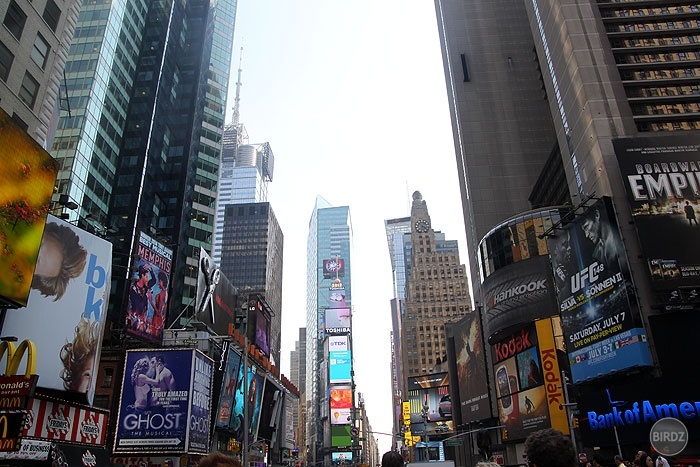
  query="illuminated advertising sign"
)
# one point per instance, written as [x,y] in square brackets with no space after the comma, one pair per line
[431,404]
[470,365]
[662,180]
[340,436]
[336,299]
[54,421]
[71,305]
[551,373]
[270,410]
[341,458]
[341,397]
[227,396]
[601,331]
[333,268]
[29,449]
[216,296]
[337,321]
[27,178]
[341,416]
[255,384]
[520,388]
[85,456]
[339,366]
[147,307]
[11,424]
[262,332]
[337,343]
[164,403]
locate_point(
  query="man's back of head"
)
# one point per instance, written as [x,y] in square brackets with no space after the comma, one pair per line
[549,448]
[392,459]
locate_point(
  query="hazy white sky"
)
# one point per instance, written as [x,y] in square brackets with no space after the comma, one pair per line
[351,97]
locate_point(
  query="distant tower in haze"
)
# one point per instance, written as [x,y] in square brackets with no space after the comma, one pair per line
[437,292]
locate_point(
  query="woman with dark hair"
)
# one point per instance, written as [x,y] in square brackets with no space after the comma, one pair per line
[392,459]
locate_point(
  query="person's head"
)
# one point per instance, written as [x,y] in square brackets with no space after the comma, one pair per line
[618,460]
[140,368]
[144,275]
[61,258]
[78,357]
[562,247]
[392,459]
[649,461]
[591,226]
[162,280]
[549,448]
[597,460]
[216,459]
[487,464]
[158,361]
[640,455]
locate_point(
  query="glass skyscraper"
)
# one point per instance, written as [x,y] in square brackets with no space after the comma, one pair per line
[330,238]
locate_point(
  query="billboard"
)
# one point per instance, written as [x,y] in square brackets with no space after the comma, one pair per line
[662,180]
[340,436]
[66,309]
[430,402]
[148,293]
[520,389]
[470,364]
[255,382]
[589,262]
[165,402]
[27,178]
[519,293]
[227,397]
[337,343]
[262,331]
[341,458]
[339,366]
[216,296]
[56,421]
[337,320]
[333,268]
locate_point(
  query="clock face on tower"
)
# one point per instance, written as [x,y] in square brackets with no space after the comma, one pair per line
[422,225]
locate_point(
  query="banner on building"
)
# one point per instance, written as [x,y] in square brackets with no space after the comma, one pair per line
[165,402]
[601,330]
[337,320]
[339,366]
[66,309]
[227,397]
[662,179]
[54,421]
[431,403]
[147,307]
[216,296]
[333,268]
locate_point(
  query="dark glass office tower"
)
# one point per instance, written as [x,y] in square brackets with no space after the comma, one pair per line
[141,148]
[251,258]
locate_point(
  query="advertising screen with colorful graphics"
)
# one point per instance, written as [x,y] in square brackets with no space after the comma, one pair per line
[336,298]
[431,404]
[601,330]
[340,436]
[662,179]
[56,421]
[147,307]
[339,366]
[70,291]
[341,397]
[338,343]
[333,268]
[216,296]
[27,178]
[341,458]
[255,382]
[466,338]
[227,397]
[165,402]
[337,321]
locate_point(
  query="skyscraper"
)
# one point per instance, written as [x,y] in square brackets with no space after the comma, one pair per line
[297,375]
[33,49]
[437,292]
[252,255]
[140,149]
[330,237]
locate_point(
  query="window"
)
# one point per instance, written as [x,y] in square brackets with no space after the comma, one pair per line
[52,13]
[40,51]
[15,19]
[6,59]
[107,377]
[29,90]
[21,123]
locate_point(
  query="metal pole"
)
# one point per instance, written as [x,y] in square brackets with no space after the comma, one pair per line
[245,389]
[569,414]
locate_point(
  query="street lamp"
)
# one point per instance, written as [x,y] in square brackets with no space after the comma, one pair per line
[424,414]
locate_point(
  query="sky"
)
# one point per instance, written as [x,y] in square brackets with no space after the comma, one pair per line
[351,97]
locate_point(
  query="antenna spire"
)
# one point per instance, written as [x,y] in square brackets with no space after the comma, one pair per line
[237,100]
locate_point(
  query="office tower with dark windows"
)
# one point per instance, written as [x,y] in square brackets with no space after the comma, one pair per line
[437,292]
[34,42]
[252,256]
[328,242]
[140,148]
[297,375]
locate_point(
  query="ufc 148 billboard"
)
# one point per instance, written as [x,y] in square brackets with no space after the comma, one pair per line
[662,180]
[601,329]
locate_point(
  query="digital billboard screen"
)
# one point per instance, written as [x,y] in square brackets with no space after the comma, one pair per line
[337,320]
[66,309]
[340,436]
[339,366]
[431,403]
[333,268]
[661,175]
[227,396]
[470,364]
[601,329]
[27,178]
[147,307]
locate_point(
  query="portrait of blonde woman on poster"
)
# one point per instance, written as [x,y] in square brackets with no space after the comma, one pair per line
[78,356]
